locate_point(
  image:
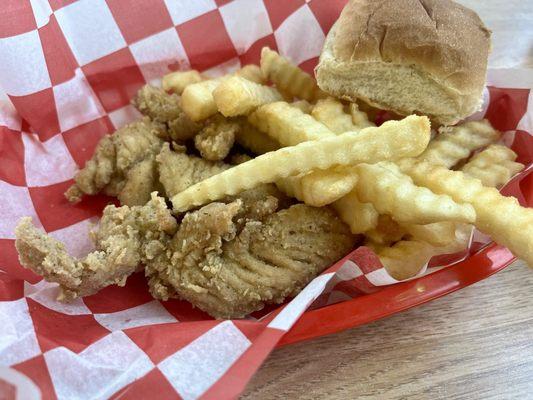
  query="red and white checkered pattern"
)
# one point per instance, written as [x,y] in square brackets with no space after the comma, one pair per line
[69,69]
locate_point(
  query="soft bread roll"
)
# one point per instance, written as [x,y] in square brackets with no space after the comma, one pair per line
[409,56]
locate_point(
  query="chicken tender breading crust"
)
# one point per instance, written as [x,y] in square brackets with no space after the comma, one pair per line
[114,157]
[227,259]
[126,236]
[230,273]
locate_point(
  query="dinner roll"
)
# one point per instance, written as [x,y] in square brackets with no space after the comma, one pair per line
[408,56]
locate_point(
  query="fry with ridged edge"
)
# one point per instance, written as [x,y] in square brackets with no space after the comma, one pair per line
[331,113]
[406,258]
[319,188]
[239,96]
[394,193]
[288,77]
[499,216]
[360,217]
[454,144]
[359,117]
[494,166]
[177,81]
[288,125]
[303,105]
[197,99]
[386,232]
[249,137]
[251,72]
[436,234]
[392,140]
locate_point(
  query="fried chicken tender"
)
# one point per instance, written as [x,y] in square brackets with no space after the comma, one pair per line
[125,237]
[166,108]
[178,171]
[227,259]
[229,270]
[216,139]
[116,159]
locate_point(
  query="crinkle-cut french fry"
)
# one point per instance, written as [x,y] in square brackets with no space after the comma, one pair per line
[331,113]
[454,144]
[386,232]
[288,77]
[238,96]
[394,193]
[392,140]
[303,105]
[360,217]
[251,72]
[287,124]
[436,234]
[494,166]
[359,117]
[321,187]
[405,258]
[177,81]
[249,137]
[197,99]
[499,216]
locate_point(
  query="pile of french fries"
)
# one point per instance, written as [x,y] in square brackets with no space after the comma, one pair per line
[411,197]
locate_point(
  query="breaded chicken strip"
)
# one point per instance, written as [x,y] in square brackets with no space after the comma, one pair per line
[230,266]
[114,159]
[178,171]
[125,237]
[216,139]
[164,107]
[227,259]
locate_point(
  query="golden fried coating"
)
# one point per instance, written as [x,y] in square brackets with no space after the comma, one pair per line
[114,157]
[230,271]
[216,139]
[178,171]
[166,108]
[125,237]
[227,259]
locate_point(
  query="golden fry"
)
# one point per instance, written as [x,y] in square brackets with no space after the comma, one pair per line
[319,188]
[494,166]
[197,99]
[177,81]
[331,113]
[360,217]
[386,232]
[436,234]
[392,140]
[303,105]
[395,194]
[259,143]
[405,259]
[251,72]
[288,77]
[359,117]
[288,125]
[239,96]
[454,144]
[499,216]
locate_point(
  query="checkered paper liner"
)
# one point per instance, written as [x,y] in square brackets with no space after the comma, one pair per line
[69,69]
